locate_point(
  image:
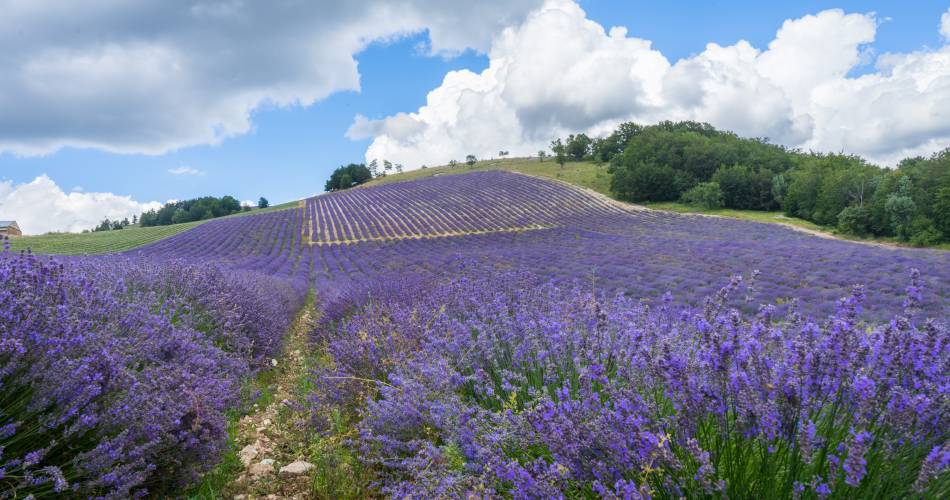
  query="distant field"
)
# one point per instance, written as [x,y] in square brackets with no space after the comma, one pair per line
[113,241]
[591,176]
[585,174]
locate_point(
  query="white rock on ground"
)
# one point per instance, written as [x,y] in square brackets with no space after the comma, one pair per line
[296,468]
[263,468]
[248,454]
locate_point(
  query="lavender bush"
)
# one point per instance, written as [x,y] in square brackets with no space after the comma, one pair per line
[116,375]
[494,385]
[490,334]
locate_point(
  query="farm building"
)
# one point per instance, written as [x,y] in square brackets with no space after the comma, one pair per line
[10,228]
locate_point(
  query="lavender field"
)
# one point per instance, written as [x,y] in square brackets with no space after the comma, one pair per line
[489,334]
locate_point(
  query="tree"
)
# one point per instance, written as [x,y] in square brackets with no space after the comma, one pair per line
[744,188]
[263,203]
[399,168]
[541,155]
[901,209]
[502,154]
[779,188]
[941,211]
[191,210]
[453,163]
[560,155]
[647,182]
[578,147]
[387,167]
[855,220]
[470,160]
[374,168]
[348,176]
[135,219]
[706,195]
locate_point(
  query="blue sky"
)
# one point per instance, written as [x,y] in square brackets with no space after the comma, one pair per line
[291,151]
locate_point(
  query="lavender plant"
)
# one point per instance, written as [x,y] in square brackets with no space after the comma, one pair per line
[496,385]
[116,376]
[491,335]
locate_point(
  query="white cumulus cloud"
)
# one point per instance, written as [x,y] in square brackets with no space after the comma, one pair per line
[150,77]
[945,24]
[42,206]
[559,72]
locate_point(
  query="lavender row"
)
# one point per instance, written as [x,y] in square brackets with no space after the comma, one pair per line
[499,384]
[641,253]
[478,202]
[116,373]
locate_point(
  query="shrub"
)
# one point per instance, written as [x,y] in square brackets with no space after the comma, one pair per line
[706,195]
[924,233]
[647,182]
[116,376]
[482,387]
[855,220]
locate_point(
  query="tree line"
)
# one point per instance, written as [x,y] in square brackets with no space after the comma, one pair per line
[697,164]
[206,207]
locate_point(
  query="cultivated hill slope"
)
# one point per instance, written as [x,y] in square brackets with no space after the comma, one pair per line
[483,202]
[505,220]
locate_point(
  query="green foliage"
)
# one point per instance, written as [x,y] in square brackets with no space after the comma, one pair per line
[351,175]
[821,186]
[560,151]
[112,225]
[196,209]
[263,203]
[604,150]
[578,147]
[705,195]
[470,160]
[779,188]
[941,211]
[694,151]
[901,209]
[647,182]
[745,188]
[923,232]
[855,220]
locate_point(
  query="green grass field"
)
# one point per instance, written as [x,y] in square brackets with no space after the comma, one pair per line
[113,241]
[753,215]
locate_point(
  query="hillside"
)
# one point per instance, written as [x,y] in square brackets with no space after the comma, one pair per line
[501,219]
[104,242]
[365,338]
[595,177]
[591,176]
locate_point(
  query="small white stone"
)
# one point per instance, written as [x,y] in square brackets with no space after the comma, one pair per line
[266,422]
[248,454]
[263,468]
[273,362]
[296,468]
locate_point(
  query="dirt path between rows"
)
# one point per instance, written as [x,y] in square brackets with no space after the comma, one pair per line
[272,437]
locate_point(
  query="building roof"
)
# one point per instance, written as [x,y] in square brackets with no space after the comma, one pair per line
[8,223]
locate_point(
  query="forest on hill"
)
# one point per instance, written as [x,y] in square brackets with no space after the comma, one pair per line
[709,168]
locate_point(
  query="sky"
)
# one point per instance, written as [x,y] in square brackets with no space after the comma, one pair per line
[108,108]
